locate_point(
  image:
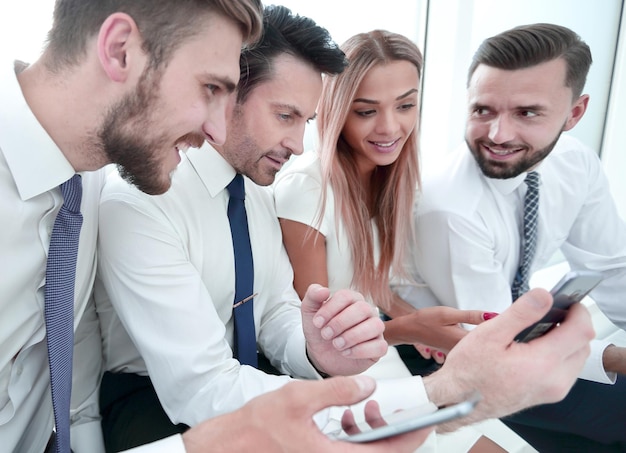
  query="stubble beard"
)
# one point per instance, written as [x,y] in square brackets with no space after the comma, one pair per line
[122,137]
[241,149]
[507,170]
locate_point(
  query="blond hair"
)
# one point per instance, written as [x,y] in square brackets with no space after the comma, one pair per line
[393,187]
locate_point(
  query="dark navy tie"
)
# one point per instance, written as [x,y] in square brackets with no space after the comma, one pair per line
[245,337]
[59,306]
[531,205]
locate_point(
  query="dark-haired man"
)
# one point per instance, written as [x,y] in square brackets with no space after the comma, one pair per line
[525,88]
[181,317]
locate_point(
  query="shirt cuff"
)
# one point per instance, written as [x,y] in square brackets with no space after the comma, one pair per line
[298,363]
[87,438]
[172,444]
[594,368]
[396,394]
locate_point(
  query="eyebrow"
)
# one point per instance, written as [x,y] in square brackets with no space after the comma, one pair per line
[402,96]
[535,107]
[293,109]
[531,107]
[227,82]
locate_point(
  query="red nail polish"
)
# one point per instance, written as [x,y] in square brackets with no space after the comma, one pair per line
[427,349]
[439,354]
[489,315]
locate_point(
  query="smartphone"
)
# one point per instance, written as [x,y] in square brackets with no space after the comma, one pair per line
[572,288]
[404,421]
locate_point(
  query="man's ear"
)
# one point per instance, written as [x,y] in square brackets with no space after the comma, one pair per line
[578,109]
[117,41]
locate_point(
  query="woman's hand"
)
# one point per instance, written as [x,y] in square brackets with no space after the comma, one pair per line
[437,327]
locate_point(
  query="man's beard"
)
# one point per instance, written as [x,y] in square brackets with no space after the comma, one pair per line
[137,158]
[506,170]
[243,152]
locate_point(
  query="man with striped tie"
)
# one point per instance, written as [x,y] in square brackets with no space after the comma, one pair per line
[514,194]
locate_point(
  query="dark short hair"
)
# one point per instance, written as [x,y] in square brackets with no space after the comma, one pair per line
[163,24]
[529,45]
[284,32]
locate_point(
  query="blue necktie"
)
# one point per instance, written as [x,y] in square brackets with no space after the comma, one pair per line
[531,205]
[59,306]
[245,337]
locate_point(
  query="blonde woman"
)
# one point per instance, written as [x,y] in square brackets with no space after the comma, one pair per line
[345,211]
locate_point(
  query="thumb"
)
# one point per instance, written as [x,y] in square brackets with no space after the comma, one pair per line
[529,308]
[314,298]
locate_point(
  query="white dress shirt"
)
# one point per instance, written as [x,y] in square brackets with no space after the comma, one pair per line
[469,228]
[297,195]
[168,268]
[31,169]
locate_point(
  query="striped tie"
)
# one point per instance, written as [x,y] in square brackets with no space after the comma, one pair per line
[531,205]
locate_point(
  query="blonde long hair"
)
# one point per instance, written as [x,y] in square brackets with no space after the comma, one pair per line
[392,187]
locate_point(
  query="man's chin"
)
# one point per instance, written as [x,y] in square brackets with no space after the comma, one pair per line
[148,183]
[497,170]
[265,178]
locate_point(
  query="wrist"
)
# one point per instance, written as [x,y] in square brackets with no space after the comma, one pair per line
[611,359]
[436,390]
[392,333]
[442,389]
[319,371]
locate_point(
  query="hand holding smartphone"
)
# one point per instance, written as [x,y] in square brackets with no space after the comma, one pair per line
[404,421]
[572,288]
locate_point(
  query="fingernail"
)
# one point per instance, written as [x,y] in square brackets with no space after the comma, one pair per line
[489,315]
[439,354]
[339,342]
[347,352]
[318,321]
[427,349]
[365,383]
[327,333]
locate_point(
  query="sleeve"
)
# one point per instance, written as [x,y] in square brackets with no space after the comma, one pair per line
[456,259]
[280,336]
[597,241]
[169,314]
[594,368]
[297,197]
[86,434]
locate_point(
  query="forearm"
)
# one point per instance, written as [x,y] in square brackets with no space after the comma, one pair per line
[438,327]
[401,330]
[189,360]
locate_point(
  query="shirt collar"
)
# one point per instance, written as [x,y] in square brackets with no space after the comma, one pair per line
[35,162]
[213,170]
